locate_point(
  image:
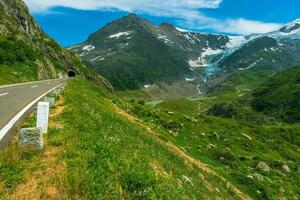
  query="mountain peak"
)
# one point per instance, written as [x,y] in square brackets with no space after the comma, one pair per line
[291,26]
[168,26]
[132,15]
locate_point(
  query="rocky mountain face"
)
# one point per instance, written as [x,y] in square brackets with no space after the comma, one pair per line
[258,57]
[27,53]
[133,53]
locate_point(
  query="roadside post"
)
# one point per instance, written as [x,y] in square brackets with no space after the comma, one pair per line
[42,116]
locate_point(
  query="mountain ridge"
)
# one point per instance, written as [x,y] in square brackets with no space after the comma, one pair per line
[201,58]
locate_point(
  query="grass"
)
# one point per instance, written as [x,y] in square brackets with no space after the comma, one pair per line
[232,147]
[21,72]
[95,153]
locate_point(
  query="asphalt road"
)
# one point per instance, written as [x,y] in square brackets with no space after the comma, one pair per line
[16,97]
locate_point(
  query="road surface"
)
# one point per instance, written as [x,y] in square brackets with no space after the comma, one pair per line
[15,98]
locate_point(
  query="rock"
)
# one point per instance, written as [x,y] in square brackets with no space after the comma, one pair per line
[286,168]
[187,180]
[250,176]
[247,136]
[190,119]
[31,137]
[50,100]
[210,146]
[258,176]
[217,135]
[262,166]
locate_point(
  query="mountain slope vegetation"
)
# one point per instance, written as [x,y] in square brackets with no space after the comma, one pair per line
[148,54]
[28,54]
[131,52]
[280,96]
[95,150]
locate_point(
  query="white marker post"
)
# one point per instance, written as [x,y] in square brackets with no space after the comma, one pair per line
[42,116]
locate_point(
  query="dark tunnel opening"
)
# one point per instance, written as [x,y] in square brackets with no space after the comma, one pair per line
[71,73]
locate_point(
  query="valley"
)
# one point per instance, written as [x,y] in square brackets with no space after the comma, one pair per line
[154,112]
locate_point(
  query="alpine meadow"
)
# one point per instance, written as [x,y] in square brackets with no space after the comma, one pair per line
[161,100]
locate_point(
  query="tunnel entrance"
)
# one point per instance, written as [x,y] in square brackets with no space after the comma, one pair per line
[71,73]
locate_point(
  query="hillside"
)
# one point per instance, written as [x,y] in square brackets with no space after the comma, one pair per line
[96,150]
[261,159]
[280,96]
[28,54]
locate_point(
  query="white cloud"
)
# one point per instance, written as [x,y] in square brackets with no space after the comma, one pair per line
[234,26]
[148,6]
[186,11]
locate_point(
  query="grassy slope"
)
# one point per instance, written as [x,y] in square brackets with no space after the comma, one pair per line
[280,96]
[232,147]
[93,152]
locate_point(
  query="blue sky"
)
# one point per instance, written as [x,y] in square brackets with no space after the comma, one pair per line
[71,21]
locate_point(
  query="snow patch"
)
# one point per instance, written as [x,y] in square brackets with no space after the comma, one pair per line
[118,35]
[187,36]
[236,41]
[88,48]
[181,30]
[97,58]
[202,61]
[199,62]
[164,38]
[123,45]
[147,86]
[209,52]
[190,79]
[292,24]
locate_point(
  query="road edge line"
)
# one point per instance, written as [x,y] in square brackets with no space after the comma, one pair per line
[18,116]
[26,83]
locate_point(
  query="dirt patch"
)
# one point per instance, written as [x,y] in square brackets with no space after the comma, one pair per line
[41,183]
[184,156]
[43,179]
[59,107]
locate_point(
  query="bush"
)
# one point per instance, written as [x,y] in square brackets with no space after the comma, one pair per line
[223,109]
[14,51]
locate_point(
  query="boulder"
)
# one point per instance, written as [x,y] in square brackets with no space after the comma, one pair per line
[31,137]
[258,176]
[286,168]
[262,166]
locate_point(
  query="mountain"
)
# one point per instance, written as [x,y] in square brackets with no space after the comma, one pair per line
[258,58]
[131,52]
[28,54]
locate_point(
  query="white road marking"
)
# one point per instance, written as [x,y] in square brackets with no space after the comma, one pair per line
[34,86]
[12,122]
[3,94]
[26,83]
